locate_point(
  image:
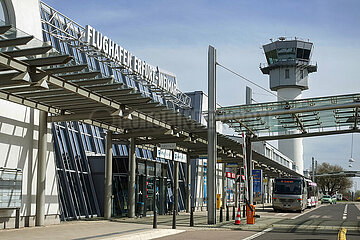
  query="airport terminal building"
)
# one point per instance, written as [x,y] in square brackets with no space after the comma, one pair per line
[89,129]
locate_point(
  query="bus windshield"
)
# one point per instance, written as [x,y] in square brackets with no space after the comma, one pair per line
[288,186]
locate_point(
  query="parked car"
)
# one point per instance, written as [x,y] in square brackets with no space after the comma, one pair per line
[358,199]
[327,199]
[334,199]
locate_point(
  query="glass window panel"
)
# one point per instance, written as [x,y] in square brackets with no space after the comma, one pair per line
[137,153]
[125,148]
[144,153]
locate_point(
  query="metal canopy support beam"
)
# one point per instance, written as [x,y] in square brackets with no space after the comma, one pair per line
[28,51]
[48,61]
[300,124]
[143,133]
[83,116]
[15,41]
[212,137]
[132,175]
[41,170]
[108,175]
[66,69]
[188,182]
[304,135]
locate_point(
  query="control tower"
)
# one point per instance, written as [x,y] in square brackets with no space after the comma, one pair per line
[288,65]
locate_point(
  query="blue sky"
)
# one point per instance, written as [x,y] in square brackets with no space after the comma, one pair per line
[175,36]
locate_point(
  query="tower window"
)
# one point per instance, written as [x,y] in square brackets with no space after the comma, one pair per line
[301,74]
[287,73]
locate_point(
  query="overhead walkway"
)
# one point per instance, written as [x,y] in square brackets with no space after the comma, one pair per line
[340,174]
[312,117]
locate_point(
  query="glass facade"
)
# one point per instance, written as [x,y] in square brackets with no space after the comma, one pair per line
[80,148]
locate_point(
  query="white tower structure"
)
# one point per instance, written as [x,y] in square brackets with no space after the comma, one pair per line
[288,65]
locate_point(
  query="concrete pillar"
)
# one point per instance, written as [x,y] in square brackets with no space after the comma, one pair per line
[176,185]
[108,175]
[132,177]
[292,148]
[188,182]
[223,192]
[41,170]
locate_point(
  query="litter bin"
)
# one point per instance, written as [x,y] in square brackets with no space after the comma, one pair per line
[140,208]
[250,215]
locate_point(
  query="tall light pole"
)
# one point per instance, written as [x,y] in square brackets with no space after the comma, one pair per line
[212,138]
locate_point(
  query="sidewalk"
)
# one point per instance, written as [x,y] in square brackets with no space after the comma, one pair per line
[267,218]
[141,228]
[81,230]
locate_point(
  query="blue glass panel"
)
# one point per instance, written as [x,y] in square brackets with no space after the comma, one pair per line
[137,153]
[126,153]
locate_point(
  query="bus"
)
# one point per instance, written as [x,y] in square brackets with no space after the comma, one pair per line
[312,191]
[290,194]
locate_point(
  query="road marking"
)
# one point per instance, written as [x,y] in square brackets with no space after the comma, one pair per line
[258,234]
[305,212]
[281,214]
[345,212]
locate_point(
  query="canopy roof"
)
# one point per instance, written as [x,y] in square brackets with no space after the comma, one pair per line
[35,75]
[295,118]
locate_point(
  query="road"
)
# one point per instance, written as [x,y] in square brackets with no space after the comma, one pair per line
[321,223]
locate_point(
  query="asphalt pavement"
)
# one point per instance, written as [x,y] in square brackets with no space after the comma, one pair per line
[322,222]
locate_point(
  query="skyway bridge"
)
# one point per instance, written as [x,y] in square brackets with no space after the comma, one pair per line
[340,174]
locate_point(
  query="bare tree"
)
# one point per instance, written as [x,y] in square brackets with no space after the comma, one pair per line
[329,184]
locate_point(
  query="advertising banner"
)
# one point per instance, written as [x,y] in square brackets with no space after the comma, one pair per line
[257,184]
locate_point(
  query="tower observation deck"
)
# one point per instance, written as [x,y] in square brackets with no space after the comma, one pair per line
[288,66]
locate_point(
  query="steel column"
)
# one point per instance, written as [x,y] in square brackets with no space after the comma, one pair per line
[212,153]
[176,185]
[250,168]
[223,192]
[132,175]
[236,187]
[176,190]
[41,170]
[188,182]
[108,175]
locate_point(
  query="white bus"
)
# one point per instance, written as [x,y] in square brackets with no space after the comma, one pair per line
[290,194]
[312,193]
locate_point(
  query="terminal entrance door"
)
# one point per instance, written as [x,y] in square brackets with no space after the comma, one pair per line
[120,192]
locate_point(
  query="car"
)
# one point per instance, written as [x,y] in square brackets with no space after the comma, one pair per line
[358,199]
[334,199]
[327,199]
[345,198]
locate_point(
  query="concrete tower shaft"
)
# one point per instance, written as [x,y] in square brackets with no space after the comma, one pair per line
[288,66]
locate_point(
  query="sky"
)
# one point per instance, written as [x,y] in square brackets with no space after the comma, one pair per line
[175,36]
